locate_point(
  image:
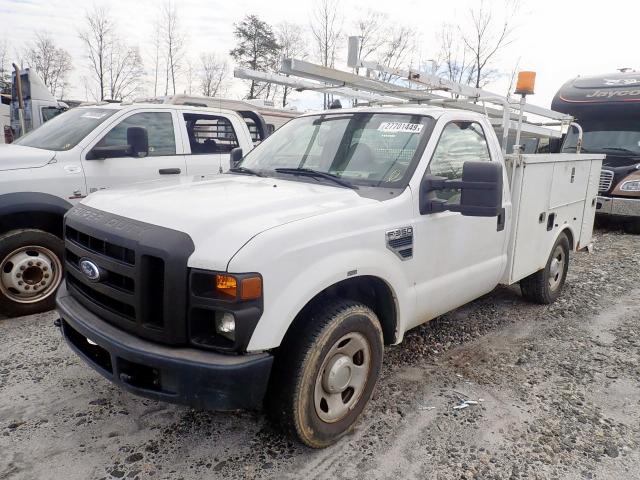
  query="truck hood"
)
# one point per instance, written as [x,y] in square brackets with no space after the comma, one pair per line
[13,157]
[223,214]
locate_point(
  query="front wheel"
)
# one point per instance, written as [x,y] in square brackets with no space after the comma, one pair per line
[546,285]
[326,371]
[30,271]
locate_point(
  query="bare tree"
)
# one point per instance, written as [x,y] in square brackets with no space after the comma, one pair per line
[292,44]
[454,59]
[213,75]
[190,73]
[326,28]
[371,29]
[487,35]
[157,45]
[116,68]
[97,40]
[50,62]
[125,70]
[398,49]
[5,74]
[174,44]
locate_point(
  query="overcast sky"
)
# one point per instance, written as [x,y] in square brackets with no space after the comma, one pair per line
[559,39]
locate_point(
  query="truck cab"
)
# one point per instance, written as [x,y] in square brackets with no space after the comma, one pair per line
[84,150]
[607,108]
[39,104]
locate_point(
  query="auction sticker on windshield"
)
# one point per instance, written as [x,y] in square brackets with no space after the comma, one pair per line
[400,127]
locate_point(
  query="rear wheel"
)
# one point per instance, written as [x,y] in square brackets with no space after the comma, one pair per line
[30,271]
[546,285]
[326,371]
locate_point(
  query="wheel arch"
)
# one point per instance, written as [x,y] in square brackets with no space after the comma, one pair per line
[370,290]
[568,231]
[32,210]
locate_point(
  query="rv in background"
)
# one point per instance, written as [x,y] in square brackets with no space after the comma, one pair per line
[608,109]
[39,104]
[262,117]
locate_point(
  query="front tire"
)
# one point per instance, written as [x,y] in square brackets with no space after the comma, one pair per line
[545,286]
[326,370]
[30,271]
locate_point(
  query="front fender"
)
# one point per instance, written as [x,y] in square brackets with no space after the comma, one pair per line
[288,288]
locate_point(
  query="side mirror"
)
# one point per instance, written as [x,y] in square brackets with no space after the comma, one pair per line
[236,156]
[481,191]
[138,140]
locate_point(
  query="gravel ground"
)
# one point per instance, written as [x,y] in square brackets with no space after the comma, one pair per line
[558,392]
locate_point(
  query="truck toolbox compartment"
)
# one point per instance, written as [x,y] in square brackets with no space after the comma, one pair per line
[550,192]
[188,376]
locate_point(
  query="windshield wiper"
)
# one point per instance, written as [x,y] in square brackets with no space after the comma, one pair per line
[309,172]
[246,171]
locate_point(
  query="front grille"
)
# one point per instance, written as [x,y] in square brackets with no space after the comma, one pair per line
[143,273]
[102,247]
[606,179]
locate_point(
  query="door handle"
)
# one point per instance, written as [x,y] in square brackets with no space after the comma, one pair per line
[169,171]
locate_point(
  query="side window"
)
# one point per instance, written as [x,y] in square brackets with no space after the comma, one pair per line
[159,127]
[210,134]
[49,112]
[459,142]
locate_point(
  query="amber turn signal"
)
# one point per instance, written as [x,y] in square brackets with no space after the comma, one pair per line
[251,288]
[227,285]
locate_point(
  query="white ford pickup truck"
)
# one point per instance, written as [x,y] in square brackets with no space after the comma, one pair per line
[282,281]
[83,150]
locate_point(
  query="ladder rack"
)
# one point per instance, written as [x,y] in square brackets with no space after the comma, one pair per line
[409,87]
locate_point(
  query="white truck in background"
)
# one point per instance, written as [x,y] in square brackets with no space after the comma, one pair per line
[281,281]
[91,148]
[32,104]
[261,116]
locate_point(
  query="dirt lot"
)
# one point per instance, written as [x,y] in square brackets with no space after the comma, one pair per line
[558,392]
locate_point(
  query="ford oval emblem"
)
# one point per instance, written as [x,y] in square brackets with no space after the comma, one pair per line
[90,270]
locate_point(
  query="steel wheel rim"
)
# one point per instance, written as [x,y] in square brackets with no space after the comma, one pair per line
[556,269]
[342,378]
[30,274]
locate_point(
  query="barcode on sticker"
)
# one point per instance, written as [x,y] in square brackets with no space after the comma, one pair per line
[400,127]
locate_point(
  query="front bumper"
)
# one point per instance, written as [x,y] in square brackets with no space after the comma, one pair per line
[186,376]
[624,207]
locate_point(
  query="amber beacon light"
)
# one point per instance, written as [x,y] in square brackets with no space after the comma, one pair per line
[526,83]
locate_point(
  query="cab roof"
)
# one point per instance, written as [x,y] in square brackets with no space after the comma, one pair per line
[155,106]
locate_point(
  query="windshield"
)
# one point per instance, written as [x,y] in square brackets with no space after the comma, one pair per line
[65,130]
[613,136]
[374,149]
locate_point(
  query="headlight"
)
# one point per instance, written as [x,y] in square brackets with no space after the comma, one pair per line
[226,325]
[224,309]
[631,186]
[227,287]
[250,287]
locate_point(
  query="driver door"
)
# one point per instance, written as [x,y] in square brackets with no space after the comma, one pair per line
[162,160]
[456,258]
